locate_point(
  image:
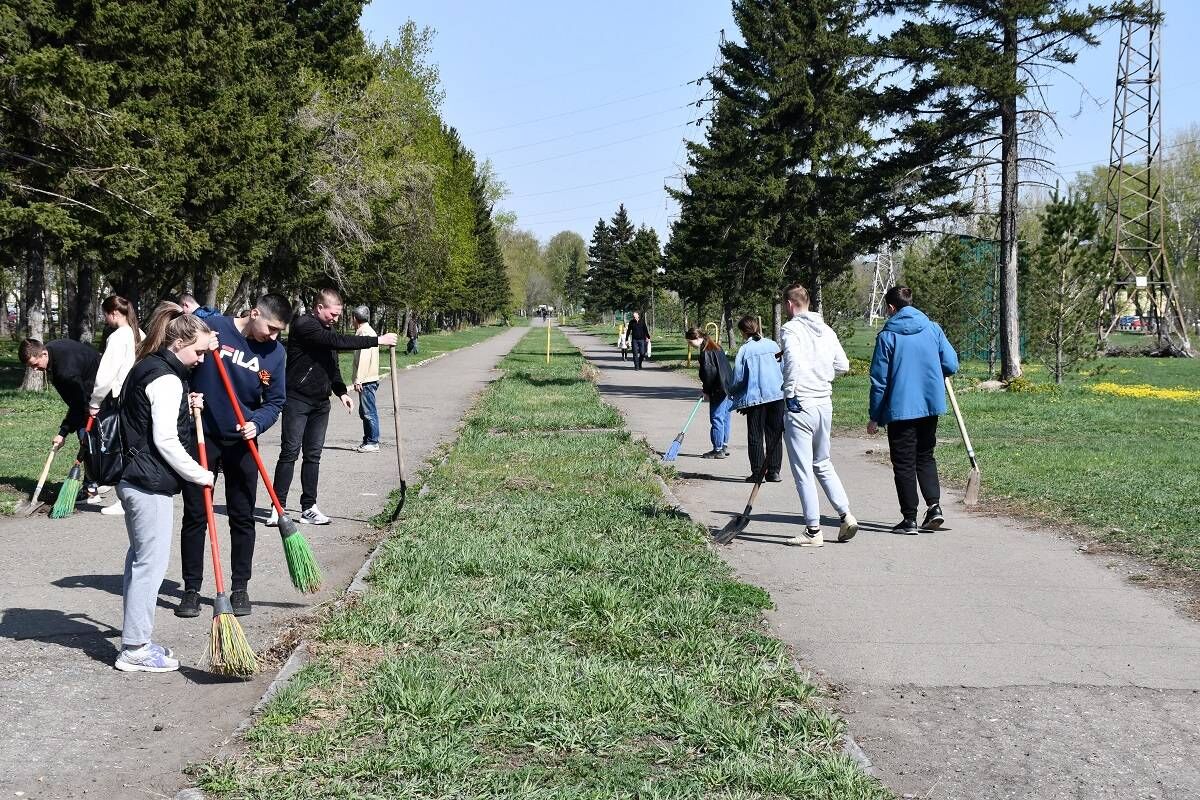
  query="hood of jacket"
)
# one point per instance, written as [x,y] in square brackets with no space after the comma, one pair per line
[810,321]
[907,321]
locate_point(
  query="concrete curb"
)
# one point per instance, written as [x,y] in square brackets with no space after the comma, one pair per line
[857,755]
[358,584]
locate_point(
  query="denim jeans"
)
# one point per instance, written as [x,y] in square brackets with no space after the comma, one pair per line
[368,412]
[718,416]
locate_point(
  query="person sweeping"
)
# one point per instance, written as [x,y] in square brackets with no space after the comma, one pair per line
[715,376]
[156,426]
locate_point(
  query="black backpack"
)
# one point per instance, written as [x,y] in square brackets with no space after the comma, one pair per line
[103,452]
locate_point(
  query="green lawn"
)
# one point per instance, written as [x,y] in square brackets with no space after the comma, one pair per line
[1125,467]
[542,626]
[29,421]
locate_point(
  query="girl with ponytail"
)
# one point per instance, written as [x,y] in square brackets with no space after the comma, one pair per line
[120,351]
[757,392]
[715,377]
[156,426]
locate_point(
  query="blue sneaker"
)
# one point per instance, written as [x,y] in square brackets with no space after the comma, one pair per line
[148,658]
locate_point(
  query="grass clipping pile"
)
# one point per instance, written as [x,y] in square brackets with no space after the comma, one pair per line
[562,636]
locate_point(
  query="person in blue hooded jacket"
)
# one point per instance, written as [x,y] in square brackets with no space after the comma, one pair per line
[757,392]
[908,393]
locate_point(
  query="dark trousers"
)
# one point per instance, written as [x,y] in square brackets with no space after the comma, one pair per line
[241,489]
[639,352]
[911,442]
[764,434]
[304,425]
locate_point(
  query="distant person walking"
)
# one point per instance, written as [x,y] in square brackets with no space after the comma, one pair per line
[715,376]
[412,332]
[812,358]
[120,353]
[908,393]
[158,433]
[757,392]
[623,341]
[638,333]
[312,374]
[366,377]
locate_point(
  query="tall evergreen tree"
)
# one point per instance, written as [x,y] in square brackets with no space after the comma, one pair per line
[602,269]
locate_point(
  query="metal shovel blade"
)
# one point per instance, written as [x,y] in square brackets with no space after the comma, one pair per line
[400,503]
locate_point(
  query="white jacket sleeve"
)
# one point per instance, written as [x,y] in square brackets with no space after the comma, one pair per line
[841,364]
[788,341]
[166,393]
[118,356]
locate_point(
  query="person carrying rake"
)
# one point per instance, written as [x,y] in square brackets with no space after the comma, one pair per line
[157,431]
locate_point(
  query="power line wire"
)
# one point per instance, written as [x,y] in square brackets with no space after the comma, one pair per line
[588,185]
[581,110]
[596,147]
[590,130]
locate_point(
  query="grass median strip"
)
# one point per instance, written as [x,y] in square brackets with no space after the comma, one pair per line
[542,626]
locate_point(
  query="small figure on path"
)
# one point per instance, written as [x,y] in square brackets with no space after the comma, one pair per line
[157,429]
[412,332]
[312,374]
[812,358]
[757,392]
[638,334]
[623,341]
[908,393]
[715,376]
[366,377]
[256,366]
[120,353]
[71,367]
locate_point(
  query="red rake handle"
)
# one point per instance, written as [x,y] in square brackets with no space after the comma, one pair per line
[213,545]
[237,413]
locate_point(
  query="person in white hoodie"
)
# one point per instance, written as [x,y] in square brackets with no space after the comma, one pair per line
[120,351]
[812,358]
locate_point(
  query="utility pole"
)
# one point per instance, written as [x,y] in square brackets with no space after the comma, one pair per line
[884,279]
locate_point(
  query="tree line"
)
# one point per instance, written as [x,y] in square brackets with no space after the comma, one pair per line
[149,148]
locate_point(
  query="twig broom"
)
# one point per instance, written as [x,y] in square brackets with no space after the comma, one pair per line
[302,564]
[228,651]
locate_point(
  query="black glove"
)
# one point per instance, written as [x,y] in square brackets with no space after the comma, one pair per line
[793,405]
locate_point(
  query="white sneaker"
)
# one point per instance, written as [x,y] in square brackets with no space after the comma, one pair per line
[147,658]
[273,519]
[808,539]
[115,510]
[848,528]
[94,500]
[313,516]
[372,447]
[103,489]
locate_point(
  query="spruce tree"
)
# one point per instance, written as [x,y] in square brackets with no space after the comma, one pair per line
[602,269]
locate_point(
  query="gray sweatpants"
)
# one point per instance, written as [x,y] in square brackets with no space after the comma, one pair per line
[149,522]
[807,435]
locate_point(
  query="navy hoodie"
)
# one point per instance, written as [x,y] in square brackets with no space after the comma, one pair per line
[256,370]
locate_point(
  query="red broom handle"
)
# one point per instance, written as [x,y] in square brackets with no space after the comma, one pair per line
[213,546]
[237,413]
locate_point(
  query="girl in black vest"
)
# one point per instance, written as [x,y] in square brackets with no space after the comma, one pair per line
[157,430]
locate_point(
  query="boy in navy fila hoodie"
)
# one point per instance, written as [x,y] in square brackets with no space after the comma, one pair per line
[256,363]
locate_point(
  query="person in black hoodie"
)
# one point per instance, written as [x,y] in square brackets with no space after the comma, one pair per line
[71,367]
[639,338]
[715,375]
[157,432]
[312,373]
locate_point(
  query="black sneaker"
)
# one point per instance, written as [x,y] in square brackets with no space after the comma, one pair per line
[773,477]
[908,527]
[240,600]
[712,454]
[189,606]
[725,452]
[934,518]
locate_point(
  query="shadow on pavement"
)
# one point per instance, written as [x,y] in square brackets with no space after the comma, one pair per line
[650,392]
[76,631]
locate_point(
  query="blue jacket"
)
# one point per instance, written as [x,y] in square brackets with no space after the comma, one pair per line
[912,358]
[757,378]
[256,370]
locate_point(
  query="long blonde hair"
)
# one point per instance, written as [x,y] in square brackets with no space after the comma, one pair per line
[168,323]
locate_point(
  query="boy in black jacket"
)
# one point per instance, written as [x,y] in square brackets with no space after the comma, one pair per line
[312,373]
[71,367]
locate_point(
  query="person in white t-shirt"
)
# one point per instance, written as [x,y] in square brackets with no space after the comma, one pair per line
[120,351]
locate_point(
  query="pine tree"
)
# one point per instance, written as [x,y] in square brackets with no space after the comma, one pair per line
[601,273]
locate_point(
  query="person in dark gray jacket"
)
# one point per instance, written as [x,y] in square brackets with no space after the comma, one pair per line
[715,376]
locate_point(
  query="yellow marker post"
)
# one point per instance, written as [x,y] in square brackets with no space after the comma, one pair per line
[548,340]
[716,332]
[689,354]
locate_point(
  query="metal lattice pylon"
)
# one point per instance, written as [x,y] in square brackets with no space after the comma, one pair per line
[1140,273]
[885,278]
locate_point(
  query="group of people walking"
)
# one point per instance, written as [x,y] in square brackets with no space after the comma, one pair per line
[154,381]
[786,393]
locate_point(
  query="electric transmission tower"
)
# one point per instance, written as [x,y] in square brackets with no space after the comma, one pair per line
[1140,273]
[885,278]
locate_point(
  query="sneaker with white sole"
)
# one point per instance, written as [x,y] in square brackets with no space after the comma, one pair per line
[313,516]
[368,447]
[272,519]
[147,658]
[812,537]
[94,500]
[115,510]
[848,528]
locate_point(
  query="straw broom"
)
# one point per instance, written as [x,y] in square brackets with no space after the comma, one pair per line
[228,651]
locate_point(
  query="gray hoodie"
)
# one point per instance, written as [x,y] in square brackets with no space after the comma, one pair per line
[812,358]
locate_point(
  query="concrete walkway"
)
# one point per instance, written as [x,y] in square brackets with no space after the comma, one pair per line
[74,726]
[988,660]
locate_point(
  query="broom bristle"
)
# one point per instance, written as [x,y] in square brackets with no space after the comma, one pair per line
[228,651]
[64,504]
[302,564]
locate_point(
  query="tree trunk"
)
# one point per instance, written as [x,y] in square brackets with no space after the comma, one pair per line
[777,315]
[35,309]
[83,304]
[239,296]
[818,293]
[1010,312]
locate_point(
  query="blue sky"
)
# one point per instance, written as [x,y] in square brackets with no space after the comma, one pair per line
[582,106]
